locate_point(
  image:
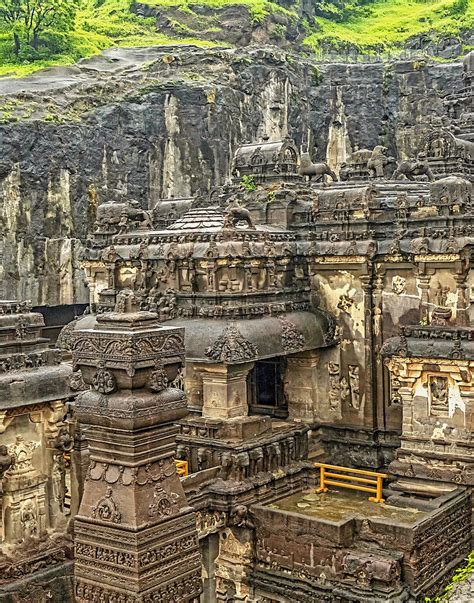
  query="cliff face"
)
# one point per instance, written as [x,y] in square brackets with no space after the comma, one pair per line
[160,122]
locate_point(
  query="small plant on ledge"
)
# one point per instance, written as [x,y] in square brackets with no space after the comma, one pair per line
[248,183]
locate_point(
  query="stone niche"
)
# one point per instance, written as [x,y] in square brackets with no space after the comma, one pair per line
[431,372]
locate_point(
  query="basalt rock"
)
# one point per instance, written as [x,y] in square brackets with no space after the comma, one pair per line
[164,122]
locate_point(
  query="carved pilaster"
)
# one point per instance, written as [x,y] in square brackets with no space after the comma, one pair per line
[462,306]
[367,283]
[424,281]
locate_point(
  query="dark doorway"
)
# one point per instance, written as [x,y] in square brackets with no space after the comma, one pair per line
[266,388]
[55,317]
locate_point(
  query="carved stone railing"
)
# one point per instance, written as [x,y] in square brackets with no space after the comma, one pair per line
[202,446]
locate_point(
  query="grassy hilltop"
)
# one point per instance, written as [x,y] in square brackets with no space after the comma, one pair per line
[361,25]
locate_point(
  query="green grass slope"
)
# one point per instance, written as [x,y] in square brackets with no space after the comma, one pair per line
[365,25]
[96,28]
[388,24]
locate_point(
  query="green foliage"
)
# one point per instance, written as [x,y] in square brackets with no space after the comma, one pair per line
[81,28]
[97,25]
[248,183]
[339,10]
[460,7]
[384,25]
[37,22]
[280,31]
[461,574]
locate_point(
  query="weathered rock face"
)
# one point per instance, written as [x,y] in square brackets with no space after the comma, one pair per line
[232,24]
[160,122]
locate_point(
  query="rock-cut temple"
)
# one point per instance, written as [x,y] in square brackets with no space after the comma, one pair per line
[270,397]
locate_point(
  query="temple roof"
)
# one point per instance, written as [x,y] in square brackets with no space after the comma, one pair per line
[200,218]
[265,152]
[237,341]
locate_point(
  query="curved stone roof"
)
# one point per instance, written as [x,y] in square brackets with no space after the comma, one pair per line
[266,152]
[237,341]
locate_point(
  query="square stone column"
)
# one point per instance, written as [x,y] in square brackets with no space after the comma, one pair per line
[224,389]
[135,535]
[301,386]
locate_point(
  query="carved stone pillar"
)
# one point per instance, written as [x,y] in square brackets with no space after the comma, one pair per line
[79,466]
[301,386]
[193,388]
[6,461]
[462,308]
[424,284]
[135,535]
[224,390]
[367,283]
[57,441]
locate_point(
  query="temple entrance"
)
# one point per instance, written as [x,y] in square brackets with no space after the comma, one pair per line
[265,386]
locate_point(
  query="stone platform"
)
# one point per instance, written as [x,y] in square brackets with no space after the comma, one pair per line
[338,544]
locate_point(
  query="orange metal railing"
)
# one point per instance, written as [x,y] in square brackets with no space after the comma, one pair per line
[373,482]
[182,468]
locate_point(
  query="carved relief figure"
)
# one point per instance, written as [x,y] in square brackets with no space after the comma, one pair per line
[354,386]
[334,385]
[23,454]
[106,508]
[439,391]
[377,162]
[29,520]
[399,285]
[441,295]
[235,214]
[104,382]
[410,169]
[163,503]
[232,346]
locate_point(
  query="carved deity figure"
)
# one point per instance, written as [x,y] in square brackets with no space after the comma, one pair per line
[167,305]
[334,385]
[354,384]
[6,461]
[439,390]
[23,453]
[441,295]
[29,520]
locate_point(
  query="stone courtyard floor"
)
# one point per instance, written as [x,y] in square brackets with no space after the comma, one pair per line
[463,592]
[337,505]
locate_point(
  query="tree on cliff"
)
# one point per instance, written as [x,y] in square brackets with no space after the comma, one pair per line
[28,19]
